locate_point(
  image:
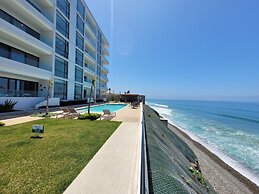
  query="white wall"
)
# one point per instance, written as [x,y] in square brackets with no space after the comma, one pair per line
[52,102]
[24,103]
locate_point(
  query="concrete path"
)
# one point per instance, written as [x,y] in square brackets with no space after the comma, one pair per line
[115,169]
[19,120]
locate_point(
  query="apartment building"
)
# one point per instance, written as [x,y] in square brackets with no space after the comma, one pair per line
[57,40]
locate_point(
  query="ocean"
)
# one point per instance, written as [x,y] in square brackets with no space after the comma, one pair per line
[228,129]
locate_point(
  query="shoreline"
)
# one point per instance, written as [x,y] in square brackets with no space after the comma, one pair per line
[201,152]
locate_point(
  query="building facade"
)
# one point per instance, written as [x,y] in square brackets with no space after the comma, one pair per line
[57,40]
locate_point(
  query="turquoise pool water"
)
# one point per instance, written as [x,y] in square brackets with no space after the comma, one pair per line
[100,108]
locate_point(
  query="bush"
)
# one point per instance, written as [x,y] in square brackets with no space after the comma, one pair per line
[7,106]
[2,124]
[91,116]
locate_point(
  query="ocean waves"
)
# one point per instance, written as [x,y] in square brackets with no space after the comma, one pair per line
[233,132]
[161,108]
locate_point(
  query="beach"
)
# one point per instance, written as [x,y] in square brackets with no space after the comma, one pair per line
[222,177]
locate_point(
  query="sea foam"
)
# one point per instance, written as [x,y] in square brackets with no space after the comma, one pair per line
[166,112]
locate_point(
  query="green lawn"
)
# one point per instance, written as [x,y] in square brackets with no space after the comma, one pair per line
[50,164]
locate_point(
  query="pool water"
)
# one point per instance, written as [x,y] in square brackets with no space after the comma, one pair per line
[100,108]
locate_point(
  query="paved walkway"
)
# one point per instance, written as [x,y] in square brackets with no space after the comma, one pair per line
[115,169]
[19,120]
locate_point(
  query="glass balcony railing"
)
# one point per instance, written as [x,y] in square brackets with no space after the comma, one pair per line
[89,67]
[105,69]
[91,55]
[20,93]
[92,42]
[104,77]
[33,5]
[90,27]
[103,86]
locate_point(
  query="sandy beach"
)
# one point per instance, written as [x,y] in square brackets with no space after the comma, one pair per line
[222,177]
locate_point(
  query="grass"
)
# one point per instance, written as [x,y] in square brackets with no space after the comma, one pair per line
[50,164]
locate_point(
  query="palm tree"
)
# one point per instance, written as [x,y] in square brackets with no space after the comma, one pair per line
[47,98]
[91,94]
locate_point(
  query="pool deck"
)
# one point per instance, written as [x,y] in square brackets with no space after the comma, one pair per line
[116,166]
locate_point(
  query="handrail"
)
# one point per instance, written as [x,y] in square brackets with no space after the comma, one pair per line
[144,184]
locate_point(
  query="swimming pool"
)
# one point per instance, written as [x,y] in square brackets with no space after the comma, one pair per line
[100,108]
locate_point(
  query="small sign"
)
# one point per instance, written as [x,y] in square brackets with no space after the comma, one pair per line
[37,129]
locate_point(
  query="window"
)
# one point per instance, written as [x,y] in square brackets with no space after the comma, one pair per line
[18,24]
[60,89]
[78,91]
[81,8]
[32,60]
[61,46]
[5,16]
[79,58]
[64,6]
[16,88]
[79,41]
[3,86]
[62,25]
[98,59]
[78,74]
[99,35]
[33,5]
[61,68]
[80,25]
[4,50]
[99,50]
[17,55]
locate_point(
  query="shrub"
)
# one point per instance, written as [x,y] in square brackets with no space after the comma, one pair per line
[7,106]
[2,124]
[91,116]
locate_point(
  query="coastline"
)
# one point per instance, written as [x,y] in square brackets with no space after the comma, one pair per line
[221,176]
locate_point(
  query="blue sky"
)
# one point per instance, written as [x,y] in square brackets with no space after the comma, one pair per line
[182,49]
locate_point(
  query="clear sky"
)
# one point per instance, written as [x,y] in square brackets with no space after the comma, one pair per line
[182,49]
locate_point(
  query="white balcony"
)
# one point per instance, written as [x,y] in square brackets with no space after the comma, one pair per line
[89,71]
[104,87]
[105,51]
[105,61]
[12,67]
[90,57]
[90,29]
[87,84]
[90,43]
[13,35]
[105,42]
[44,3]
[104,78]
[104,69]
[25,12]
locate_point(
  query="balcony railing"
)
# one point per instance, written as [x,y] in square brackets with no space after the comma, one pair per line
[91,55]
[104,86]
[38,9]
[89,67]
[105,69]
[16,93]
[33,5]
[90,27]
[105,61]
[104,77]
[93,43]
